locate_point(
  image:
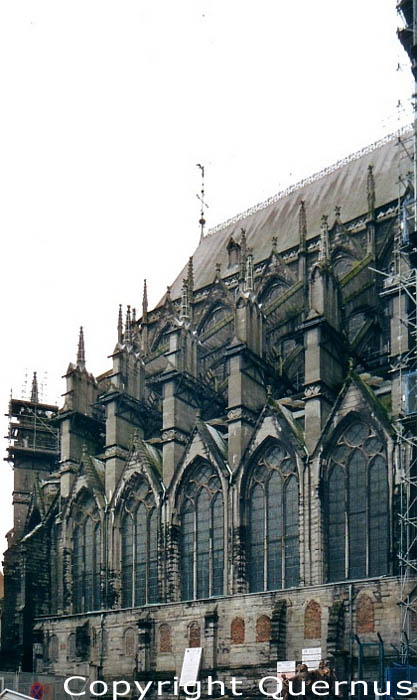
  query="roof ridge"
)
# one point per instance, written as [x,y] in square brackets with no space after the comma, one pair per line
[306,181]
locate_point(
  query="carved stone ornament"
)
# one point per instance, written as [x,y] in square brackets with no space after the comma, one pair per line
[240,413]
[172,434]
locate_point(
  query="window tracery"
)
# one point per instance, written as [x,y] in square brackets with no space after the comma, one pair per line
[357,505]
[273,292]
[202,535]
[273,522]
[342,265]
[139,547]
[86,559]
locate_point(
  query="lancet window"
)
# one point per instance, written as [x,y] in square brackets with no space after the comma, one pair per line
[273,543]
[86,563]
[202,535]
[139,547]
[357,507]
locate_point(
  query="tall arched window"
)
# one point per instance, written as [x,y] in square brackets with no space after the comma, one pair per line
[202,535]
[273,548]
[86,565]
[139,547]
[357,505]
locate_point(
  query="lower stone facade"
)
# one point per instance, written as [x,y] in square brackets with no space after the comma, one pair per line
[242,636]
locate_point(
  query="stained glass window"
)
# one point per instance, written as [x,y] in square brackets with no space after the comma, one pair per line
[86,565]
[357,506]
[273,541]
[139,548]
[202,535]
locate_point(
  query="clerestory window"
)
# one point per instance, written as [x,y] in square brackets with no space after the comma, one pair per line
[357,506]
[202,535]
[273,542]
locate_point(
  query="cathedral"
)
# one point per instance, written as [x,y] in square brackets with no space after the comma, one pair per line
[231,480]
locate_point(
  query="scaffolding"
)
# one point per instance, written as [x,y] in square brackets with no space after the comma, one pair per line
[32,432]
[400,286]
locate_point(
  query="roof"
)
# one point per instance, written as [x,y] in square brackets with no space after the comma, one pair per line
[341,185]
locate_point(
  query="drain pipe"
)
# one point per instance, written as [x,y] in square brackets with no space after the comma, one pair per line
[350,632]
[101,644]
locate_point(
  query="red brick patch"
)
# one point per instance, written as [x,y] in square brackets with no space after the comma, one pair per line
[237,631]
[263,629]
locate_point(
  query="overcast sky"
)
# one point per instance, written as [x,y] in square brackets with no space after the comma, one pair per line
[106,107]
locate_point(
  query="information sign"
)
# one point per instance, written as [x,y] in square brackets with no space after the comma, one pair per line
[311,657]
[190,666]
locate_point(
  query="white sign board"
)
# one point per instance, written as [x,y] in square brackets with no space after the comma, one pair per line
[286,667]
[190,666]
[311,657]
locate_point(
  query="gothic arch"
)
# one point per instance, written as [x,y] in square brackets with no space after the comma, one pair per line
[85,526]
[356,501]
[208,319]
[160,338]
[130,642]
[165,638]
[271,290]
[237,631]
[271,514]
[263,629]
[365,614]
[215,332]
[200,512]
[136,527]
[194,634]
[312,620]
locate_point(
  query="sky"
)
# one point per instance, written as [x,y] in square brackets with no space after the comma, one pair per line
[107,107]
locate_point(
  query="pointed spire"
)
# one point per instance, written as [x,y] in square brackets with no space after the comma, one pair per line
[35,394]
[324,240]
[249,271]
[242,254]
[120,326]
[302,224]
[274,244]
[145,303]
[337,211]
[81,350]
[128,326]
[185,308]
[370,189]
[133,318]
[190,276]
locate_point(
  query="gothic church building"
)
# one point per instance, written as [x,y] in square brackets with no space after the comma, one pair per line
[230,482]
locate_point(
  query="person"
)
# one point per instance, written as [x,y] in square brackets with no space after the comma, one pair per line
[302,674]
[327,674]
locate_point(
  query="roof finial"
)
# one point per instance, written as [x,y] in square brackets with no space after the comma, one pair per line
[200,196]
[302,224]
[133,319]
[168,294]
[242,254]
[128,326]
[120,326]
[370,188]
[249,272]
[324,240]
[185,307]
[190,277]
[81,350]
[35,394]
[145,303]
